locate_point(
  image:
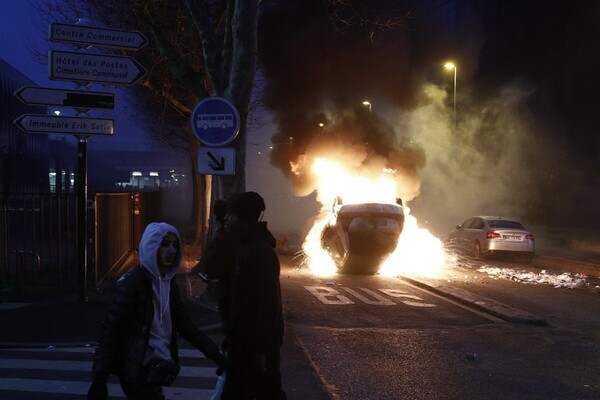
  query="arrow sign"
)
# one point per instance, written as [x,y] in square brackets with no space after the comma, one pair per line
[86,67]
[102,37]
[216,160]
[66,98]
[33,123]
[216,165]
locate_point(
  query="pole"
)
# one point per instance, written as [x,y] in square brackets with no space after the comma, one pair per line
[82,219]
[454,101]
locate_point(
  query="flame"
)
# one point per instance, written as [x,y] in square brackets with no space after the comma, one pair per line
[418,251]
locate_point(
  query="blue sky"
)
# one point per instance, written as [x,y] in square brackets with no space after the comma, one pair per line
[21,34]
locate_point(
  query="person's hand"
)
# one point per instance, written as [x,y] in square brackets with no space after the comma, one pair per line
[98,391]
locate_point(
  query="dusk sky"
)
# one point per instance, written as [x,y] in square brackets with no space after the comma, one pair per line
[498,133]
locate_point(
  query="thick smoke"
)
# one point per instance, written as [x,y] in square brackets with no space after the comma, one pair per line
[317,74]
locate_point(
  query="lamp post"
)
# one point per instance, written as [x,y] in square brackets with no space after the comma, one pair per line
[367,103]
[450,65]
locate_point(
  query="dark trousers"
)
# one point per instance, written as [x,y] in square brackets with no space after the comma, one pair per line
[139,391]
[244,382]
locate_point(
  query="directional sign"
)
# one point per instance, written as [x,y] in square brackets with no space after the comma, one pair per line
[215,121]
[66,98]
[101,37]
[216,161]
[86,67]
[34,123]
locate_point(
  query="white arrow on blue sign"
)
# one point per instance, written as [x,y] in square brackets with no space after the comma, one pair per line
[86,67]
[215,121]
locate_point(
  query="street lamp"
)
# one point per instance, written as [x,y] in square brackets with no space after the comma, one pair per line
[367,103]
[450,65]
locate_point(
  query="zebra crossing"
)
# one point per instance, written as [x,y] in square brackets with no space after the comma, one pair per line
[64,373]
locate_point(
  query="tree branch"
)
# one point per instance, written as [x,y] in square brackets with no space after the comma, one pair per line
[176,64]
[213,58]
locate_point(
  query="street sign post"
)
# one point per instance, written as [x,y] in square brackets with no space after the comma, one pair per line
[102,37]
[33,123]
[216,161]
[81,99]
[82,68]
[215,121]
[86,67]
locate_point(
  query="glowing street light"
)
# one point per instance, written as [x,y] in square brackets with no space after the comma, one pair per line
[367,103]
[450,65]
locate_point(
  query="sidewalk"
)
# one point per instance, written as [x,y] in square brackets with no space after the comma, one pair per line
[43,318]
[38,319]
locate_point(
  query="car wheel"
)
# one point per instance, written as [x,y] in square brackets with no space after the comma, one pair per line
[477,250]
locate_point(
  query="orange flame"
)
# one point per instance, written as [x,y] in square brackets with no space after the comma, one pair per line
[417,252]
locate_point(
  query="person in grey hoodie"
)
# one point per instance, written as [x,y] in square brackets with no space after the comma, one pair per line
[138,338]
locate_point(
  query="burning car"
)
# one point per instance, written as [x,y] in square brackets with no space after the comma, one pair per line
[359,237]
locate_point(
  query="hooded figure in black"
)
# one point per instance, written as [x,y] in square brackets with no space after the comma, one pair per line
[253,320]
[138,338]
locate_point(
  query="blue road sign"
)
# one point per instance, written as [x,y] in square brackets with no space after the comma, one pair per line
[215,121]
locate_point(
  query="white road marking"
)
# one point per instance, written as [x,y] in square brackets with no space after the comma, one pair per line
[61,365]
[81,388]
[380,300]
[402,294]
[328,295]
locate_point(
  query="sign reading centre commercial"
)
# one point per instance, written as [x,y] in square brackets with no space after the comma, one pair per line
[89,35]
[215,121]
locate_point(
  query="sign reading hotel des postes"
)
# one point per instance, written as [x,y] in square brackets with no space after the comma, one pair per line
[87,67]
[102,37]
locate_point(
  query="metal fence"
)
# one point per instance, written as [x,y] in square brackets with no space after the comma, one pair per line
[120,220]
[38,239]
[38,236]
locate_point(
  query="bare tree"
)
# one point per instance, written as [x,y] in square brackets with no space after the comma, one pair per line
[198,48]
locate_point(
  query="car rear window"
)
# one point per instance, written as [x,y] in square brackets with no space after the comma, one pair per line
[505,224]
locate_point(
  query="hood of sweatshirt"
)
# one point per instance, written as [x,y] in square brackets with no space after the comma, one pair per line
[149,244]
[161,284]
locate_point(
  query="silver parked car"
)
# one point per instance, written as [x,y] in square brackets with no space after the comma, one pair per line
[485,235]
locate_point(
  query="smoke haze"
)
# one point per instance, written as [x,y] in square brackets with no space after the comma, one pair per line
[497,162]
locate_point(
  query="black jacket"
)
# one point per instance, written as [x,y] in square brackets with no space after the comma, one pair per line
[254,319]
[125,332]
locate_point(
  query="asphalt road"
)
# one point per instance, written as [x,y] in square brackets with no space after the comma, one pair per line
[370,337]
